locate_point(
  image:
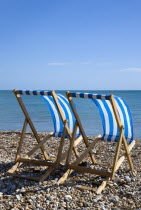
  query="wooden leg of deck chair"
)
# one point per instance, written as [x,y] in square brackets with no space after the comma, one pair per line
[30,122]
[48,172]
[117,151]
[121,159]
[71,145]
[128,154]
[58,159]
[103,185]
[65,176]
[13,169]
[21,140]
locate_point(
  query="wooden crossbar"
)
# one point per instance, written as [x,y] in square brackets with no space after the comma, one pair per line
[89,170]
[35,162]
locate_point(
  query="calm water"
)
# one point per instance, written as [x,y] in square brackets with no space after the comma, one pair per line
[11,117]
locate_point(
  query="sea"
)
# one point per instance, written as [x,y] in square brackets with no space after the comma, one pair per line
[12,118]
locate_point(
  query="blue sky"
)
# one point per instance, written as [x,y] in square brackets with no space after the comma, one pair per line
[70,44]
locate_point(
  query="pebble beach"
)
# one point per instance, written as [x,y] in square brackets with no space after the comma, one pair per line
[15,193]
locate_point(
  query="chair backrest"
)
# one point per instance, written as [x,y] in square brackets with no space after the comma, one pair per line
[56,115]
[110,126]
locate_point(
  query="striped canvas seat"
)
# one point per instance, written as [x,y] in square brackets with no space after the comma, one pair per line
[110,127]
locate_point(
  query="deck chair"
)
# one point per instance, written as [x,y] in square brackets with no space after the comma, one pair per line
[63,120]
[117,127]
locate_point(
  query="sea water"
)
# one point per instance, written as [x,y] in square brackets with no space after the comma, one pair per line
[12,118]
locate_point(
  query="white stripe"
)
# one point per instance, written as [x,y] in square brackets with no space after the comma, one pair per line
[127,117]
[86,95]
[31,92]
[62,108]
[46,93]
[78,95]
[120,113]
[103,97]
[55,113]
[38,92]
[24,92]
[105,116]
[68,110]
[94,96]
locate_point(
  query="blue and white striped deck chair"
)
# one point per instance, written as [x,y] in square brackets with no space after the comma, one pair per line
[63,120]
[117,127]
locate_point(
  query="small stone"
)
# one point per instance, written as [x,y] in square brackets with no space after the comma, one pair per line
[50,198]
[128,179]
[139,188]
[114,198]
[18,197]
[23,189]
[85,204]
[67,198]
[1,194]
[10,204]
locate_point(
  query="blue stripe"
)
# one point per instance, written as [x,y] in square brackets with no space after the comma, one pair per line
[98,96]
[90,95]
[27,92]
[42,93]
[73,94]
[34,92]
[20,92]
[81,95]
[110,117]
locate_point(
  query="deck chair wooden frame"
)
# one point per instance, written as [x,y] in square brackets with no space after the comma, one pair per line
[120,139]
[57,100]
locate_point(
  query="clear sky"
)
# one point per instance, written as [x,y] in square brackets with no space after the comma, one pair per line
[70,44]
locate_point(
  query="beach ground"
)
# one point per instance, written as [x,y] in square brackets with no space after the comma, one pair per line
[15,193]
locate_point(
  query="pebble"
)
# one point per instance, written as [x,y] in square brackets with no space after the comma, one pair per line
[18,197]
[128,179]
[68,197]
